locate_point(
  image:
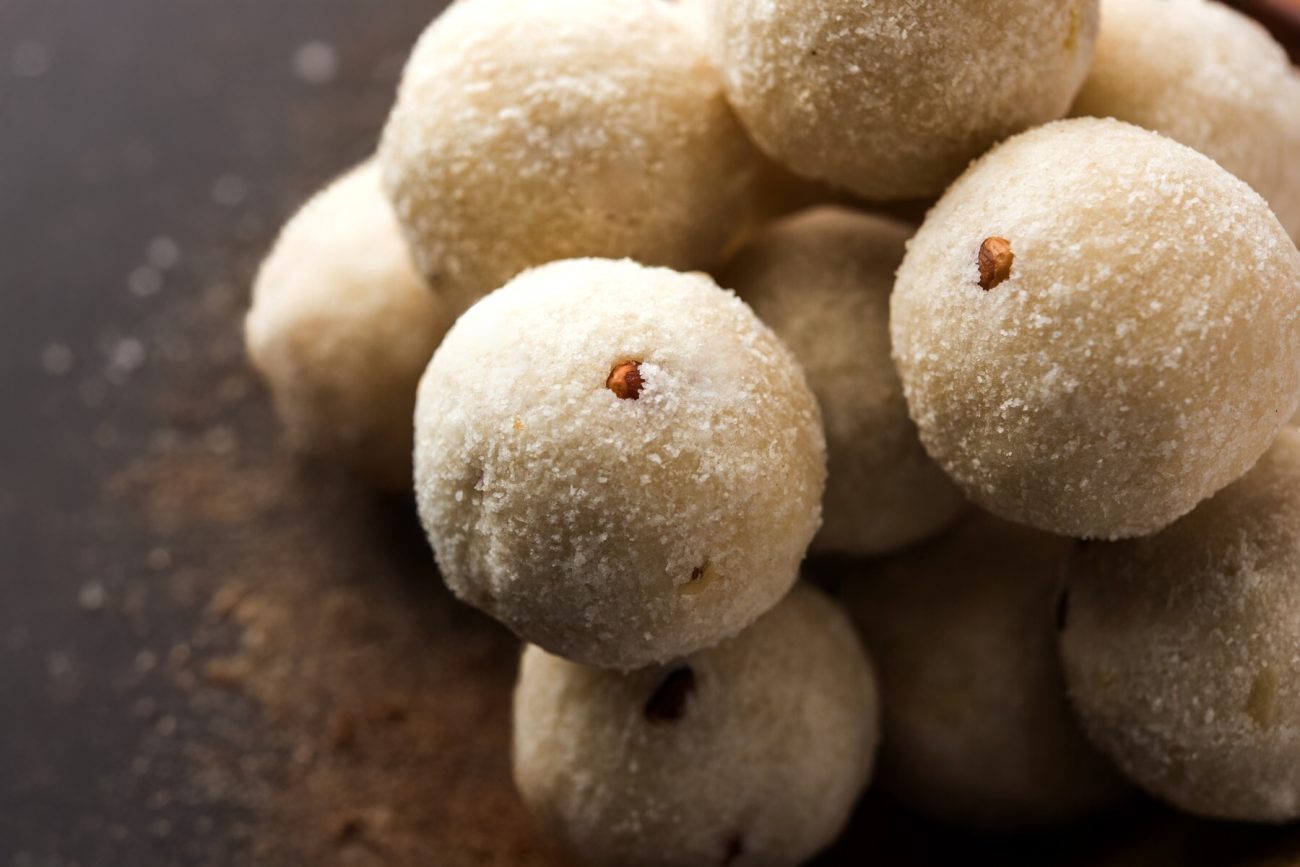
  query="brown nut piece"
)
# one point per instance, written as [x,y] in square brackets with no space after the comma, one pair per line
[995,260]
[625,380]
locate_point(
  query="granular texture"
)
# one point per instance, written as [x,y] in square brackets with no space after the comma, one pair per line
[620,463]
[821,280]
[1181,649]
[892,100]
[1097,328]
[342,326]
[527,131]
[1209,77]
[750,753]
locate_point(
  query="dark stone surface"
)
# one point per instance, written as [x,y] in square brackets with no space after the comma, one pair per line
[130,129]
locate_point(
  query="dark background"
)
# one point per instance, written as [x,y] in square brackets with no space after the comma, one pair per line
[130,129]
[211,652]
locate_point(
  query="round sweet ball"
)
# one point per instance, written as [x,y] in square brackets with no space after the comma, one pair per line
[1287,205]
[1097,328]
[821,279]
[976,726]
[1180,649]
[1209,77]
[341,328]
[611,136]
[892,100]
[694,14]
[620,463]
[752,752]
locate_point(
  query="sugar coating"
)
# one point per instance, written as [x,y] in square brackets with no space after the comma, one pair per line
[892,100]
[342,326]
[1287,205]
[1143,353]
[1209,77]
[975,721]
[821,279]
[693,13]
[617,532]
[759,761]
[1181,649]
[527,131]
[776,190]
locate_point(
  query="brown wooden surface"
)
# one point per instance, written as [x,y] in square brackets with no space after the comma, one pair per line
[211,653]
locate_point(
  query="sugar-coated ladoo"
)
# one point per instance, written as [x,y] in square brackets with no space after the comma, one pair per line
[821,279]
[342,326]
[892,100]
[975,724]
[752,752]
[1207,76]
[1182,650]
[1097,328]
[776,190]
[620,463]
[693,13]
[527,131]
